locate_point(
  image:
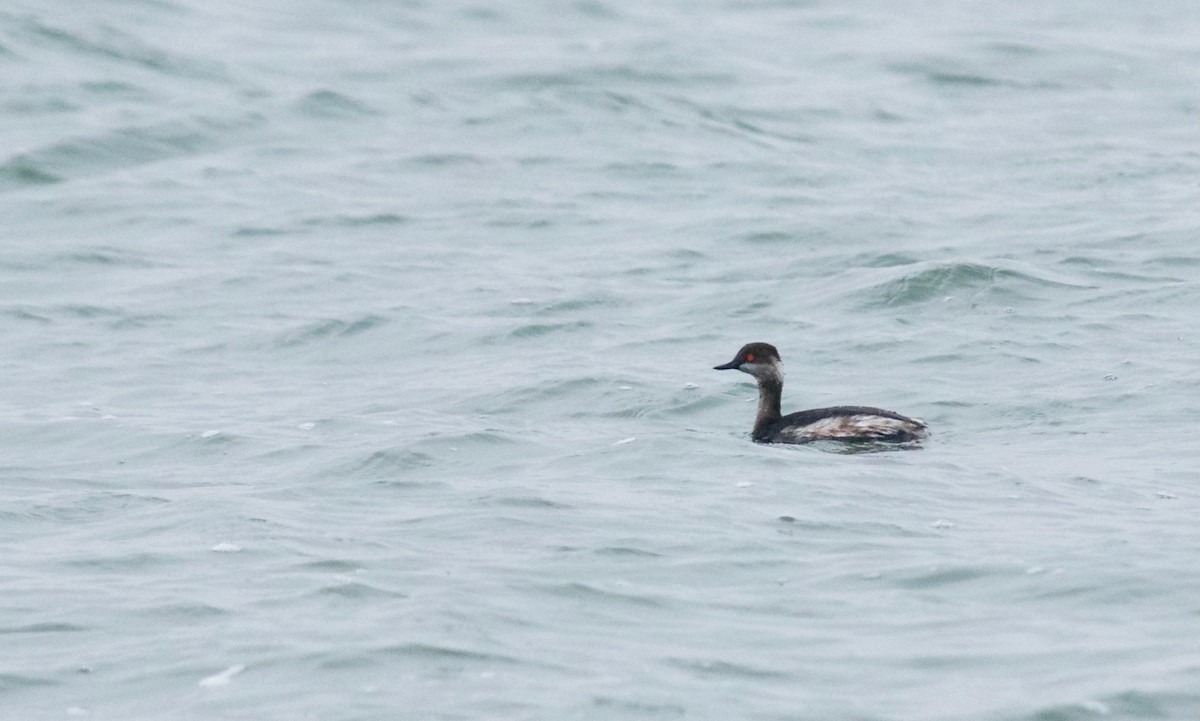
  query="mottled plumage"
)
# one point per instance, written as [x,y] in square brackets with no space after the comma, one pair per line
[841,423]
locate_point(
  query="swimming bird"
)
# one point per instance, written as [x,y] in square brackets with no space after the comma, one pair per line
[840,423]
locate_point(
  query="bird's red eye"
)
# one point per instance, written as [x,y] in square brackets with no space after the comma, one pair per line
[749,357]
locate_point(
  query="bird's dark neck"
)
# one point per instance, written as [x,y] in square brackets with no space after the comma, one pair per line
[770,390]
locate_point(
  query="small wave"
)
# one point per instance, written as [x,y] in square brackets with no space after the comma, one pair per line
[643,169]
[1126,705]
[937,577]
[140,321]
[945,78]
[523,502]
[116,150]
[107,257]
[626,552]
[384,465]
[473,439]
[538,330]
[324,329]
[333,565]
[124,562]
[430,652]
[727,669]
[27,315]
[357,591]
[529,308]
[332,104]
[923,282]
[939,73]
[1016,49]
[442,160]
[15,682]
[580,590]
[44,628]
[768,129]
[111,44]
[1173,261]
[94,505]
[550,391]
[355,221]
[628,708]
[855,530]
[222,678]
[214,437]
[885,260]
[933,282]
[91,311]
[258,231]
[24,171]
[183,612]
[771,237]
[118,89]
[587,79]
[577,304]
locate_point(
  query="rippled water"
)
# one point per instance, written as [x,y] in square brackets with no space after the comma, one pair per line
[357,360]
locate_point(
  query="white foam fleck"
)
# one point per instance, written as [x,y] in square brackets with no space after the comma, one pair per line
[307,426]
[210,434]
[623,441]
[745,484]
[1097,707]
[226,548]
[942,523]
[223,678]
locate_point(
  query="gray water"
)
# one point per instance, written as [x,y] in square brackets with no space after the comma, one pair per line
[356,359]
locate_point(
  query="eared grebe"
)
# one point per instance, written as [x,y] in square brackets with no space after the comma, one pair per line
[842,423]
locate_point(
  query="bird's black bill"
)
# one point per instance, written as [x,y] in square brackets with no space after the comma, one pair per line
[731,365]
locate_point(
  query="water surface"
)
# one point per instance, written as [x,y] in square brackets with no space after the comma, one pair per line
[356,360]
